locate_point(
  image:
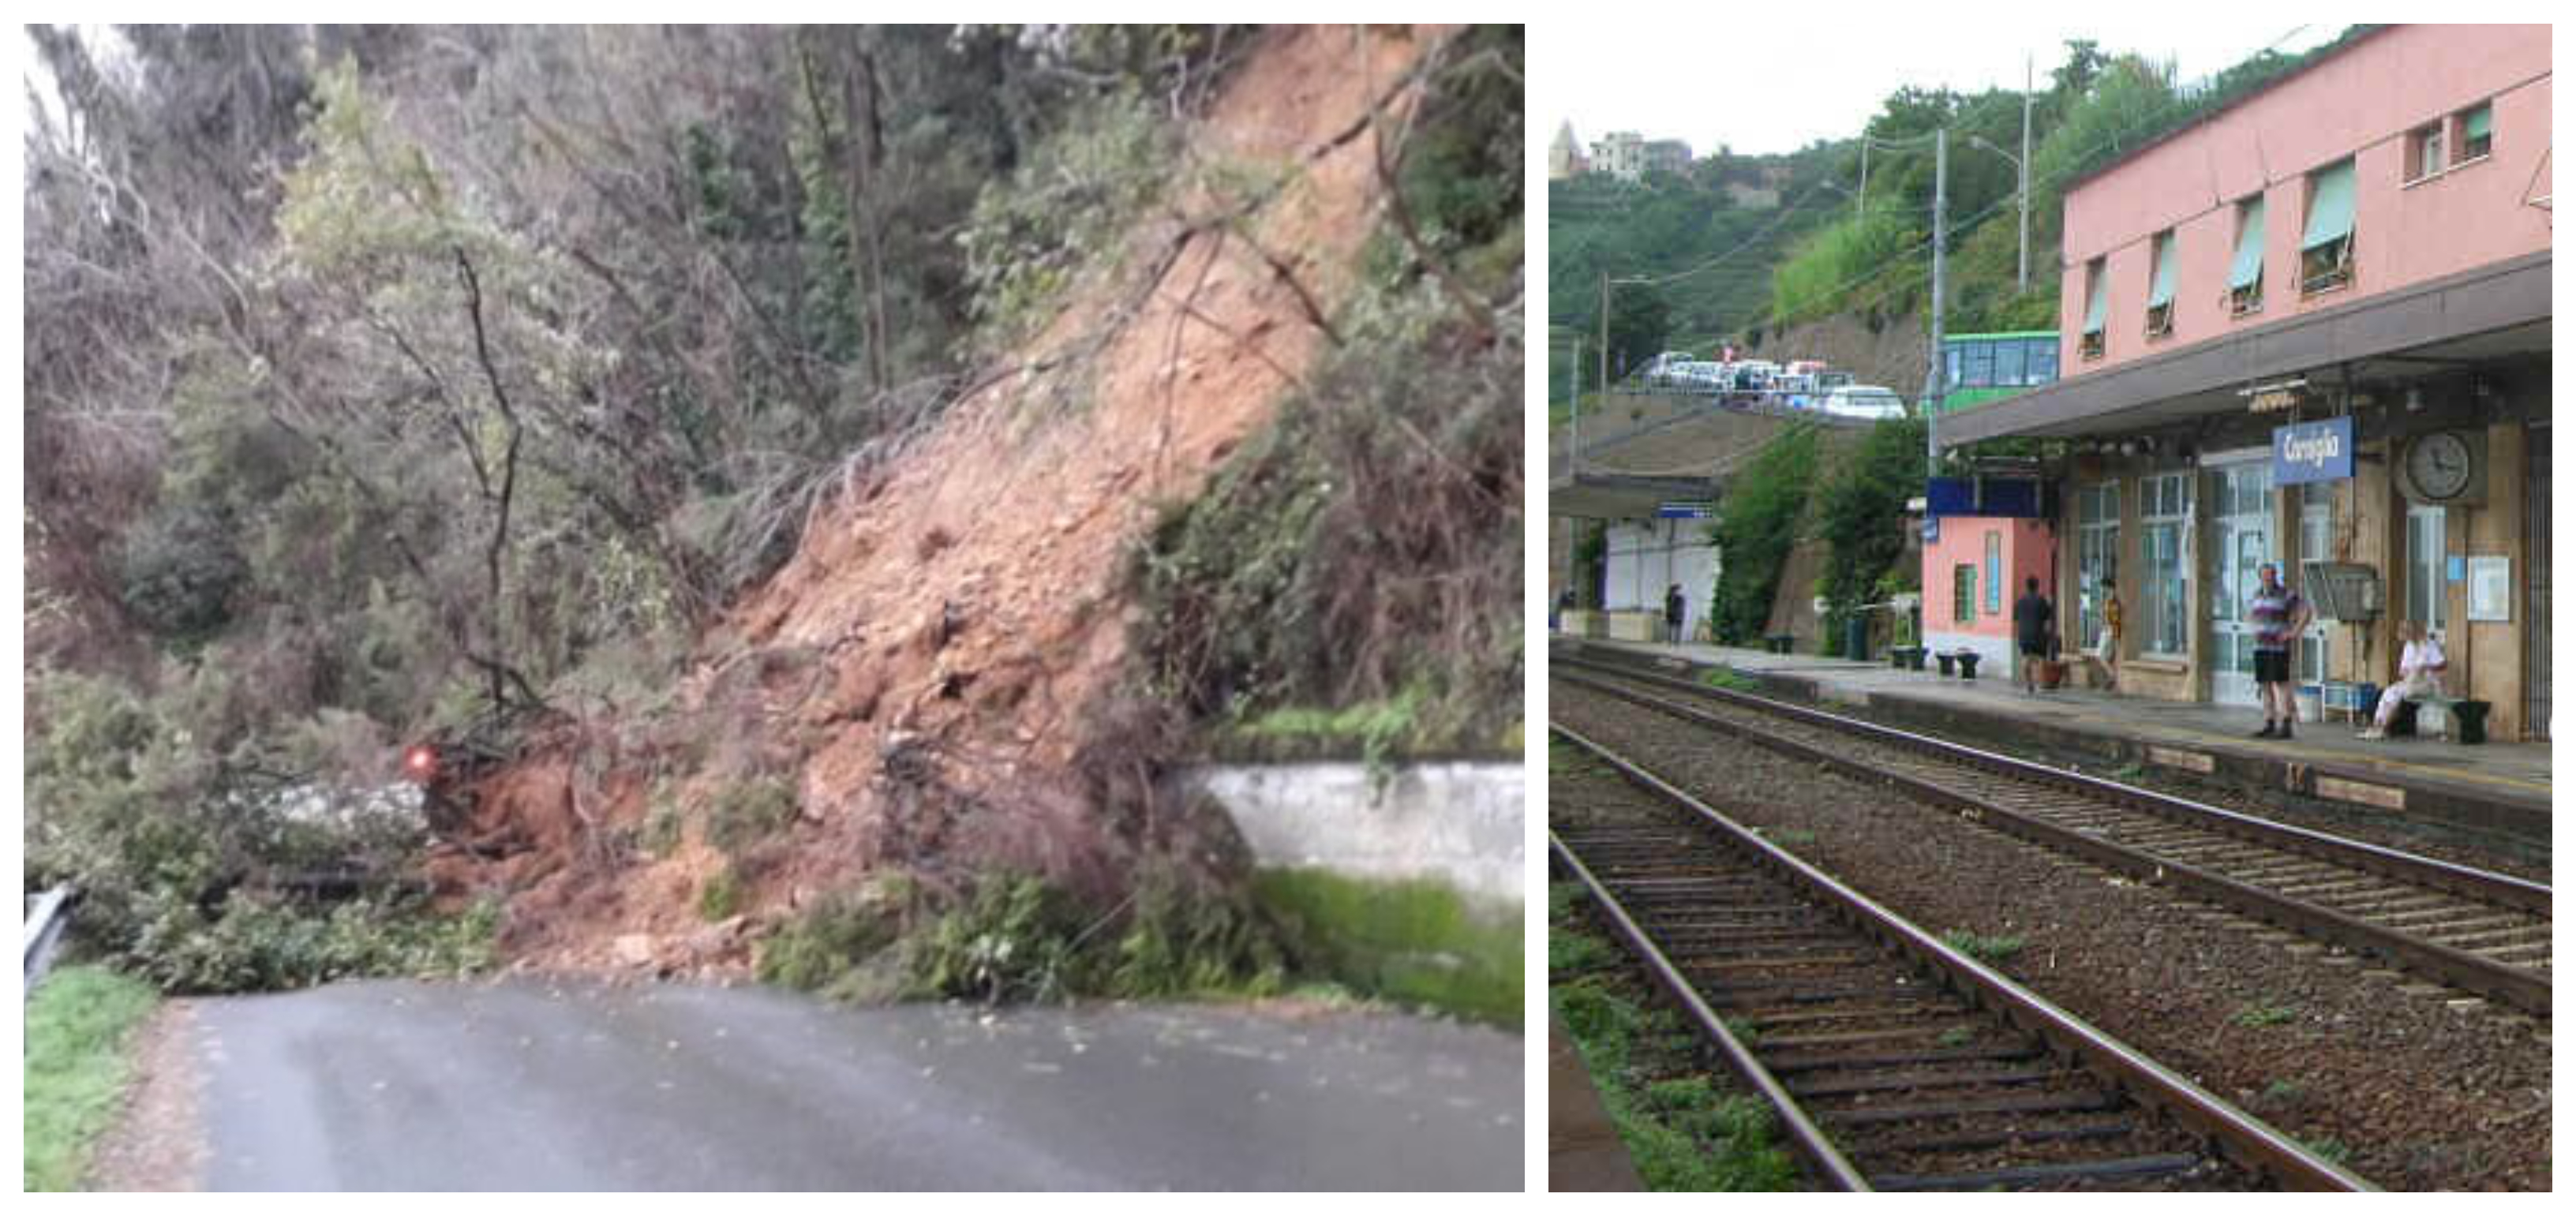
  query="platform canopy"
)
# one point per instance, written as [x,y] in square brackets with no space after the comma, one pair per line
[2492,314]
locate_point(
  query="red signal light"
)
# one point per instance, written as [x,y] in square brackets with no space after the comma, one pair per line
[420,762]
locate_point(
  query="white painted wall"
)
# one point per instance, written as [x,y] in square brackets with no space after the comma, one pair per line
[1994,655]
[1646,556]
[1461,824]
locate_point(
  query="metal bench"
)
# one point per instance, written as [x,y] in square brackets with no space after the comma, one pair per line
[2402,723]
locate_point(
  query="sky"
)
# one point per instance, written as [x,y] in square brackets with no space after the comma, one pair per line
[1776,83]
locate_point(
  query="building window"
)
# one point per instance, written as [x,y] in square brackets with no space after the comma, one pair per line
[2160,289]
[1963,593]
[2477,132]
[2097,306]
[2097,555]
[2426,594]
[2245,271]
[2316,544]
[2008,364]
[2163,600]
[1994,573]
[2325,250]
[2424,153]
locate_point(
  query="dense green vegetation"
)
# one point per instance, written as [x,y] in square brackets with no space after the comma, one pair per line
[1666,224]
[1757,525]
[80,1026]
[1873,259]
[2096,106]
[1860,515]
[1016,937]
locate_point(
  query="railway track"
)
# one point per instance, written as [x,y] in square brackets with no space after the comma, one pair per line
[2470,929]
[1894,1061]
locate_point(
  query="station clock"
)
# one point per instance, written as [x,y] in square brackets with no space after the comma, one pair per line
[2444,467]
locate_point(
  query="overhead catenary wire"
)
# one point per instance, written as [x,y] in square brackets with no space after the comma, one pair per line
[2183,98]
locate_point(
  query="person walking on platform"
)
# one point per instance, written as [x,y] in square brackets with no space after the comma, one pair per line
[2034,619]
[2419,673]
[2279,616]
[2107,652]
[1674,606]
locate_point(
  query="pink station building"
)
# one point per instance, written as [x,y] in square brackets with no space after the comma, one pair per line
[2310,327]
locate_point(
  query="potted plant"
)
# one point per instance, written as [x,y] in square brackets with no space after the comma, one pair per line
[1907,652]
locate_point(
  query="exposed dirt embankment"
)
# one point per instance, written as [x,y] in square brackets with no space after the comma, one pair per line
[913,688]
[1890,355]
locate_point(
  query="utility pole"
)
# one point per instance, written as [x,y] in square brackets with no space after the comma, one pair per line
[1864,174]
[1933,387]
[1605,335]
[1574,415]
[2025,175]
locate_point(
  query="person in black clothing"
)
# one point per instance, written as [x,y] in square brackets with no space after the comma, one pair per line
[1673,609]
[2034,618]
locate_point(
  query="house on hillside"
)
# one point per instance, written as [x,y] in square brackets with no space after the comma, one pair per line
[1565,158]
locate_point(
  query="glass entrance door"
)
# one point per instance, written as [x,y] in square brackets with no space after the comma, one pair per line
[2240,499]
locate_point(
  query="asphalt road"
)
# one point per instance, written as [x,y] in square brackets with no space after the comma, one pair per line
[529,1086]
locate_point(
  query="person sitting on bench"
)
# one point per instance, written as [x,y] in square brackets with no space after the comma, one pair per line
[2419,674]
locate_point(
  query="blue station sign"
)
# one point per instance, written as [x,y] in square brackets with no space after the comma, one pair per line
[1685,510]
[2312,451]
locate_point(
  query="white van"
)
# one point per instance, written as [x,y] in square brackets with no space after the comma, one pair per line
[1864,401]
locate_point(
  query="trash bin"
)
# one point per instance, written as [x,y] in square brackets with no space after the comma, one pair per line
[1968,664]
[1856,637]
[2473,720]
[1947,658]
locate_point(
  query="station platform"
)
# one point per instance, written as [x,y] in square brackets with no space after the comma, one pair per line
[1584,1152]
[2491,789]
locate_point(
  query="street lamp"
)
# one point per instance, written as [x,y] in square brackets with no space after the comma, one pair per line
[2022,167]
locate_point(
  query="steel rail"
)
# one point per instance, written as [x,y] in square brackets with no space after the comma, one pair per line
[1809,1141]
[2243,1138]
[2487,886]
[2515,986]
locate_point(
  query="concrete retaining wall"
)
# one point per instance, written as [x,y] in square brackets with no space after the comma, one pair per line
[1457,823]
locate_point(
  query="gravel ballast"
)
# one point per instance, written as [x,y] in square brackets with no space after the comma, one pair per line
[2423,1090]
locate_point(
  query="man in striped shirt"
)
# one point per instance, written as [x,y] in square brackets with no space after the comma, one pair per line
[2279,616]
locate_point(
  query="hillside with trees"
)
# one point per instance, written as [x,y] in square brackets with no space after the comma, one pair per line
[1873,260]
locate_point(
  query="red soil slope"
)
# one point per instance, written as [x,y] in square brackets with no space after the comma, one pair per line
[922,670]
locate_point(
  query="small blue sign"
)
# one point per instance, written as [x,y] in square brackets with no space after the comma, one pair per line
[1683,510]
[2456,570]
[2312,451]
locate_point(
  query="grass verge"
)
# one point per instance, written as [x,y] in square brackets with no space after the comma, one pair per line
[1684,1130]
[78,1025]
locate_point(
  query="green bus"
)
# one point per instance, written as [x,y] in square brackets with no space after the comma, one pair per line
[1991,367]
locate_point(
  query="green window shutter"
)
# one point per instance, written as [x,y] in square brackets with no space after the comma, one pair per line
[2096,300]
[2481,121]
[2329,206]
[2162,292]
[2248,266]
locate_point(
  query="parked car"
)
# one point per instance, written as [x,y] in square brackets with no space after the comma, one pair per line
[1864,401]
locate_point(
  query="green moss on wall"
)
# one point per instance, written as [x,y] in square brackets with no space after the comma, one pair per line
[1412,941]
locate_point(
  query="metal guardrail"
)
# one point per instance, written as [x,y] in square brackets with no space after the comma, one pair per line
[44,931]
